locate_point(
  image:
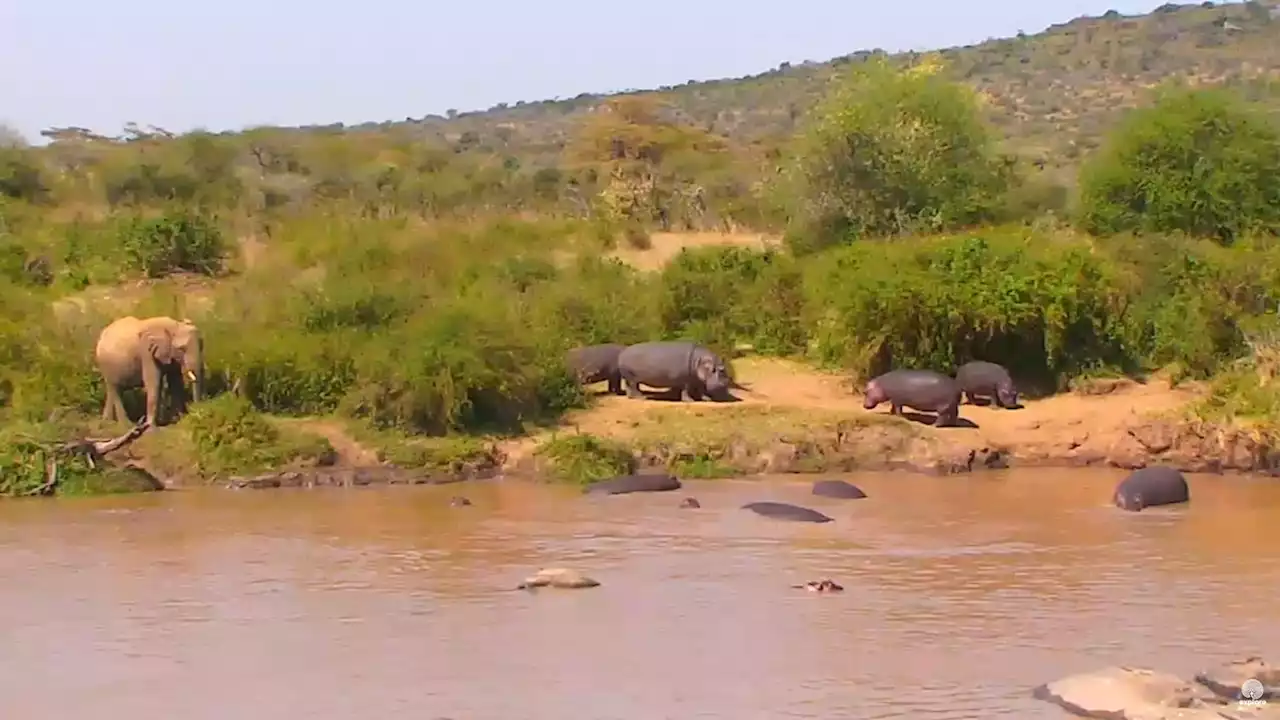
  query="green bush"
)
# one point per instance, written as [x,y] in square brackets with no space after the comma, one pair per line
[1201,162]
[889,152]
[228,436]
[179,241]
[583,459]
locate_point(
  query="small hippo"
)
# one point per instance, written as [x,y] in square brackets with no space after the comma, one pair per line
[594,363]
[690,502]
[920,389]
[786,511]
[987,380]
[820,586]
[683,367]
[1151,486]
[838,489]
[459,501]
[623,484]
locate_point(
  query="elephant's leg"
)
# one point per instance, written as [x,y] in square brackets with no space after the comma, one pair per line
[113,406]
[151,380]
[177,391]
[694,391]
[895,408]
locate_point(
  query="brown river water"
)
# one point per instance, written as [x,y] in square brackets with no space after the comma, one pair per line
[960,595]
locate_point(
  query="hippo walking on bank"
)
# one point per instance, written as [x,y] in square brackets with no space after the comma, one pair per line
[919,389]
[624,484]
[683,367]
[786,511]
[596,363]
[988,380]
[1151,486]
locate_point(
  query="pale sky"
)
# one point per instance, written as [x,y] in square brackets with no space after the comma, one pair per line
[240,63]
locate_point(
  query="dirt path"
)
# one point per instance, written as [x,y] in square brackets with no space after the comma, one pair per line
[787,392]
[351,453]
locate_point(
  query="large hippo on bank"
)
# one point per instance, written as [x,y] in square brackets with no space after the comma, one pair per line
[594,363]
[1151,486]
[681,366]
[987,380]
[786,511]
[920,389]
[624,484]
[838,489]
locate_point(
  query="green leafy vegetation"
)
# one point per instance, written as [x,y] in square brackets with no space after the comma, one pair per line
[420,282]
[583,459]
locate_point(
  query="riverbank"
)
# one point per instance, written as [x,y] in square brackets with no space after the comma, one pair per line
[797,420]
[794,419]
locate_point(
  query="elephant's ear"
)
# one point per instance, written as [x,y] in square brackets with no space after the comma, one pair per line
[159,344]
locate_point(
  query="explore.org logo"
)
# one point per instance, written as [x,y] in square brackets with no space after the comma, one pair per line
[1251,693]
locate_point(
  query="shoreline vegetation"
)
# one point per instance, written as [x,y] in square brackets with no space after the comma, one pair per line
[393,303]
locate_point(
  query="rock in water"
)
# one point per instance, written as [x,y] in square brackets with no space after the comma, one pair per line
[1122,693]
[557,578]
[1227,680]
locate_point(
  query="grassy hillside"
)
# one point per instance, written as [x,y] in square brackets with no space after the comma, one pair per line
[1052,93]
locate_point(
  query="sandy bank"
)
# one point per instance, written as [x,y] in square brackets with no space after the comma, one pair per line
[797,420]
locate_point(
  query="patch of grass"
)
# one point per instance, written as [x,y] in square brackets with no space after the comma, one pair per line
[26,447]
[583,459]
[226,436]
[448,454]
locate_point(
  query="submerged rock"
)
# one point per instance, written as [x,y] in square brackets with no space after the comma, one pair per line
[557,578]
[1125,693]
[1227,681]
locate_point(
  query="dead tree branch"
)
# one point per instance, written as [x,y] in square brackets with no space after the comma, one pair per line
[93,451]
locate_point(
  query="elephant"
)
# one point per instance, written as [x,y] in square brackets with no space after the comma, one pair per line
[148,353]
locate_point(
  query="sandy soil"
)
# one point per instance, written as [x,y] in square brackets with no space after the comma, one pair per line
[666,246]
[784,393]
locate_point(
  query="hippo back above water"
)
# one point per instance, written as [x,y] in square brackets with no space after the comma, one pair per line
[1150,487]
[595,363]
[919,389]
[685,367]
[989,380]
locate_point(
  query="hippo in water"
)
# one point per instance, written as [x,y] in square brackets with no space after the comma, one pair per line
[785,511]
[838,489]
[987,380]
[459,501]
[634,483]
[820,586]
[682,367]
[1151,486]
[920,389]
[596,363]
[690,502]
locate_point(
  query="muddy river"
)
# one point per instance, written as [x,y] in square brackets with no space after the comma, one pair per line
[960,595]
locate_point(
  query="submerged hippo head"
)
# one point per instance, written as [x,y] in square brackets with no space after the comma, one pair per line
[1129,500]
[874,395]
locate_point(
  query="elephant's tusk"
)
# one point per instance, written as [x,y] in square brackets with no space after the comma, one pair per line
[191,376]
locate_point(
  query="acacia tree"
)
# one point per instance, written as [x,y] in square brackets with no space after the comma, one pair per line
[645,161]
[1202,162]
[892,151]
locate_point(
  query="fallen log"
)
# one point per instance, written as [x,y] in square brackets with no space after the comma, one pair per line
[93,450]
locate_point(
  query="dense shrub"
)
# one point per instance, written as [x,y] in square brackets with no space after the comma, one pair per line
[889,152]
[1200,161]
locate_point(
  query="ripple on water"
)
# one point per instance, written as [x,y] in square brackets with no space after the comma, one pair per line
[958,599]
